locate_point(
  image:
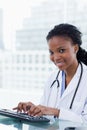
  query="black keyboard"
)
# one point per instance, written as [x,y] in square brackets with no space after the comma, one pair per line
[23,116]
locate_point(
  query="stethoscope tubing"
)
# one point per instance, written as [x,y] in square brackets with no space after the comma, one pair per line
[77,86]
[56,80]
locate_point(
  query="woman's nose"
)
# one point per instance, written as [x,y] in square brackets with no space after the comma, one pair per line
[56,56]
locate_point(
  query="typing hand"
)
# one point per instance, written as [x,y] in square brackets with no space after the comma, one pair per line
[36,110]
[23,106]
[40,110]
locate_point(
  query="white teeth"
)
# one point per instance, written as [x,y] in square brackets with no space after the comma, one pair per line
[59,63]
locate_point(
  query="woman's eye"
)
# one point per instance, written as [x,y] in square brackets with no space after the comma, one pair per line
[51,53]
[61,50]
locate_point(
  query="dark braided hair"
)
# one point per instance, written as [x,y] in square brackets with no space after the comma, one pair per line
[68,30]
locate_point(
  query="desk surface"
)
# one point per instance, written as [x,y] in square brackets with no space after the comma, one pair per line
[13,124]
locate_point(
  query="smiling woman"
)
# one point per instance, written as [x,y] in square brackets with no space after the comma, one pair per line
[24,61]
[63,101]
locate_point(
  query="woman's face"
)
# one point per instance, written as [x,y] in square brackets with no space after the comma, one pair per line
[62,52]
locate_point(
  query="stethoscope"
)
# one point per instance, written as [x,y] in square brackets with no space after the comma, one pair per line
[57,81]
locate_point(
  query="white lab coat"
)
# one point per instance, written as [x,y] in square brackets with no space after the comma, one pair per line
[52,98]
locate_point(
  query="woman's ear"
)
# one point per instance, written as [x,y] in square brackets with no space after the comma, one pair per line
[76,48]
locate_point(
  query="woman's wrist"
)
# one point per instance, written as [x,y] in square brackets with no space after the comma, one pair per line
[49,111]
[56,113]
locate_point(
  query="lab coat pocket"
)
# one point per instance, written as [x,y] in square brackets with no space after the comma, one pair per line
[77,107]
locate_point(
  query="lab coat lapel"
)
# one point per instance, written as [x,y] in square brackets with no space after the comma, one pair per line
[72,85]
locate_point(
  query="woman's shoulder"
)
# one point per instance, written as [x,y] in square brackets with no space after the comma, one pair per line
[52,75]
[84,68]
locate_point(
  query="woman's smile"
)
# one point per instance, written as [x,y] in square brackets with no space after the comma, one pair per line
[62,52]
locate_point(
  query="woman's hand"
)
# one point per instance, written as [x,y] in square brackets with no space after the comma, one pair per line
[43,110]
[23,106]
[36,110]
